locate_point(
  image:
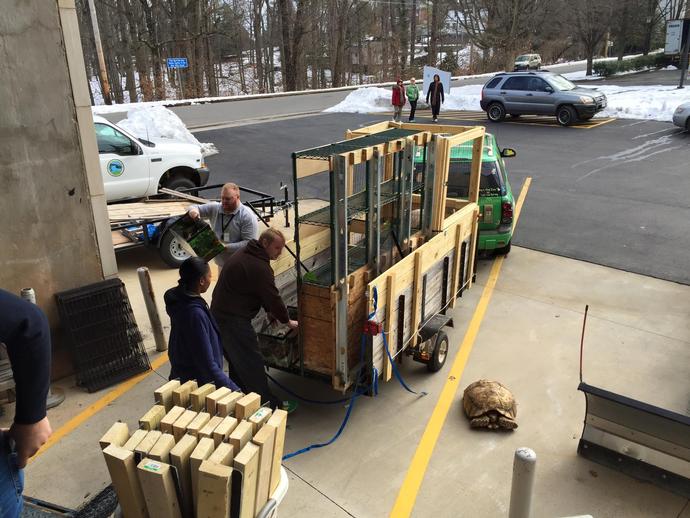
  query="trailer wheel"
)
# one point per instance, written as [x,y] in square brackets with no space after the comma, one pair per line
[438,358]
[171,250]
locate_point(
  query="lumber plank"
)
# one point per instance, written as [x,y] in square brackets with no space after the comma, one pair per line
[209,428]
[264,439]
[279,422]
[241,435]
[123,473]
[180,458]
[213,398]
[226,406]
[182,393]
[163,395]
[158,487]
[244,478]
[214,490]
[223,454]
[203,451]
[142,449]
[151,419]
[247,405]
[198,423]
[259,418]
[169,419]
[161,450]
[198,397]
[180,426]
[224,429]
[135,439]
[117,434]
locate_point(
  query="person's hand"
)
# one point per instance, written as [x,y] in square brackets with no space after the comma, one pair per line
[28,438]
[293,324]
[194,213]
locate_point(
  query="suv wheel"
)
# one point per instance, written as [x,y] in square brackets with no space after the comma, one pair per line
[496,112]
[566,115]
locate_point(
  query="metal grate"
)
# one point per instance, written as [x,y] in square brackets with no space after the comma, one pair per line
[105,340]
[324,152]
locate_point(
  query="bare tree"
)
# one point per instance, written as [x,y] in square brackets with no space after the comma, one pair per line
[591,20]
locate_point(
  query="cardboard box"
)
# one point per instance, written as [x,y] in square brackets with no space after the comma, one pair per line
[161,450]
[214,490]
[181,394]
[142,449]
[180,459]
[198,397]
[116,434]
[198,423]
[123,473]
[247,405]
[208,429]
[244,476]
[135,439]
[163,395]
[226,405]
[213,398]
[158,486]
[241,435]
[166,425]
[265,440]
[224,429]
[151,420]
[203,451]
[180,426]
[258,418]
[278,421]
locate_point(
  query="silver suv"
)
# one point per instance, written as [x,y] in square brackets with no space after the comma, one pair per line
[527,61]
[539,93]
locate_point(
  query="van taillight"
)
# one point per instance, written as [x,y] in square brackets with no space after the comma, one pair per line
[507,212]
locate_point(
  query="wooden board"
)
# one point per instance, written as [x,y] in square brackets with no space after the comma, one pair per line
[226,405]
[163,395]
[161,450]
[213,398]
[223,454]
[118,212]
[247,405]
[135,439]
[224,429]
[209,428]
[118,434]
[278,421]
[182,393]
[198,397]
[259,418]
[166,424]
[180,459]
[123,473]
[180,426]
[142,449]
[151,419]
[265,440]
[198,423]
[244,478]
[203,451]
[158,487]
[214,490]
[241,435]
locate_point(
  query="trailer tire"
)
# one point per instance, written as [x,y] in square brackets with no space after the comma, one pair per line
[438,358]
[171,251]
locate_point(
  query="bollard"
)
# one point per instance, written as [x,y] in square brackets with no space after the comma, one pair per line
[524,464]
[151,308]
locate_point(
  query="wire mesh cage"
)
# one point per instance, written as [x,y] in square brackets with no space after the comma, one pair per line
[105,341]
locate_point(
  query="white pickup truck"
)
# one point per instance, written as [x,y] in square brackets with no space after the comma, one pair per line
[135,168]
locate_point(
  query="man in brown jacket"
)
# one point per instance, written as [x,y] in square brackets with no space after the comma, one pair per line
[246,284]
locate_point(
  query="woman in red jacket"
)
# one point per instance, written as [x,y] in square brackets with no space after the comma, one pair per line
[398,100]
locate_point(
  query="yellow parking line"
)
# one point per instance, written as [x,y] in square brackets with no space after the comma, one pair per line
[415,472]
[97,406]
[590,125]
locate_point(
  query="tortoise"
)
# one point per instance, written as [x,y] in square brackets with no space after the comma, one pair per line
[488,404]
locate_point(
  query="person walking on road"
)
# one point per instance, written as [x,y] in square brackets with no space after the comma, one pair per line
[195,348]
[435,93]
[412,96]
[233,222]
[398,100]
[246,284]
[25,332]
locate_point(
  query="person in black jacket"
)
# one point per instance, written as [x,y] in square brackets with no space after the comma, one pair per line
[246,284]
[194,348]
[25,332]
[435,93]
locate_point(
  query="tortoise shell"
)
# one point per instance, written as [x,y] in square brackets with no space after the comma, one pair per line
[484,396]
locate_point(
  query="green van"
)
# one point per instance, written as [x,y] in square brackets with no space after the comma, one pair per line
[496,201]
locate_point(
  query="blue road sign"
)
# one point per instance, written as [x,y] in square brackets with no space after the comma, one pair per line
[178,63]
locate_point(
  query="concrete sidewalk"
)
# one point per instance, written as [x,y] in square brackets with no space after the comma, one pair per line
[637,343]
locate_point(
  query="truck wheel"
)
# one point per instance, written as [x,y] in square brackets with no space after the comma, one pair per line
[566,115]
[180,182]
[171,250]
[438,359]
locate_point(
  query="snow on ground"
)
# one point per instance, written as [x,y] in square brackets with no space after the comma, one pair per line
[157,121]
[624,102]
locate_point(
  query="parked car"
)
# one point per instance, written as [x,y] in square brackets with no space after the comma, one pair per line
[681,117]
[539,93]
[527,61]
[496,201]
[134,168]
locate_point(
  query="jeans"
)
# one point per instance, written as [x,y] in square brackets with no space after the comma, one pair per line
[413,108]
[11,481]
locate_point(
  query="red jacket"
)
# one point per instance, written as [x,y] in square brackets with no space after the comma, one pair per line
[398,96]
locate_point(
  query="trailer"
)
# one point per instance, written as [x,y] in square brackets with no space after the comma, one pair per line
[380,262]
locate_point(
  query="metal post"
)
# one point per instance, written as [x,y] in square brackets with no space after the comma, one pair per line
[339,262]
[428,192]
[524,464]
[373,190]
[150,300]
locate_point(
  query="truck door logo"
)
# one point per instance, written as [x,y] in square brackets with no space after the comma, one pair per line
[115,167]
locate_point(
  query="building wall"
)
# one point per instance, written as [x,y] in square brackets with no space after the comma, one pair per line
[52,205]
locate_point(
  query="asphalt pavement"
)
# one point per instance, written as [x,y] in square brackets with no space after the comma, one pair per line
[614,194]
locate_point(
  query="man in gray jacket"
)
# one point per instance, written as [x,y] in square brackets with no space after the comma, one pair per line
[234,223]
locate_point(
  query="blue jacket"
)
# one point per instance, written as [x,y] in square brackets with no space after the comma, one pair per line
[194,348]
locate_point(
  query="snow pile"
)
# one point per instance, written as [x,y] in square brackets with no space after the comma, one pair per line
[624,102]
[158,121]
